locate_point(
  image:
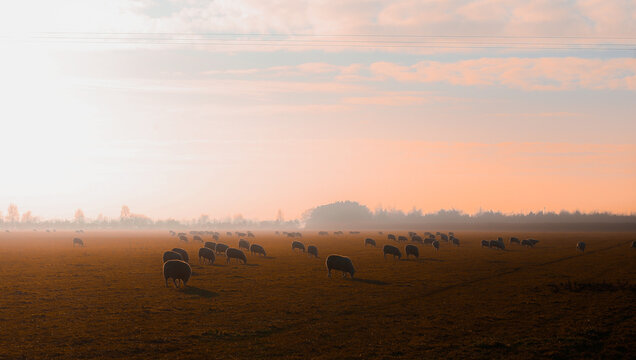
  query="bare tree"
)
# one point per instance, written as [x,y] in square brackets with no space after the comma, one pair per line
[125,212]
[13,215]
[79,216]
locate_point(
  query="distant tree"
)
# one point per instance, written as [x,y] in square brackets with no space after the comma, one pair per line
[203,219]
[279,216]
[125,212]
[27,217]
[238,219]
[341,213]
[79,216]
[13,215]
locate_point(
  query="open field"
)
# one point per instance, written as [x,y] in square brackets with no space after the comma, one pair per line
[108,299]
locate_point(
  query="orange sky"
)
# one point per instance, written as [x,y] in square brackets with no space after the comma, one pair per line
[535,112]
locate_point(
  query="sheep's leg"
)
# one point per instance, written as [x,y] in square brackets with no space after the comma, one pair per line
[328,272]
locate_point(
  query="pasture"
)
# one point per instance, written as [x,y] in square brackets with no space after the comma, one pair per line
[108,299]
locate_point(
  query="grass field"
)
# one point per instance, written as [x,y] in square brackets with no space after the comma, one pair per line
[108,299]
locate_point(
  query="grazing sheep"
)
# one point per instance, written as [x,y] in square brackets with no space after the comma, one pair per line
[391,237]
[232,253]
[450,233]
[244,244]
[215,237]
[369,241]
[435,245]
[178,271]
[428,241]
[323,233]
[184,254]
[391,250]
[312,250]
[533,241]
[527,243]
[183,238]
[171,255]
[497,244]
[380,233]
[206,254]
[197,238]
[210,245]
[250,234]
[354,232]
[485,243]
[298,245]
[455,241]
[181,234]
[340,263]
[221,248]
[338,233]
[257,249]
[580,246]
[514,240]
[78,241]
[634,244]
[417,239]
[412,250]
[228,233]
[402,238]
[444,237]
[412,233]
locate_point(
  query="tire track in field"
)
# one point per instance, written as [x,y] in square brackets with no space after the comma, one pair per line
[443,289]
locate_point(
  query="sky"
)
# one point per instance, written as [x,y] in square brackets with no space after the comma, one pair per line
[182,108]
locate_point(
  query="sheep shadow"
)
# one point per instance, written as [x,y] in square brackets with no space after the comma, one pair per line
[251,264]
[431,259]
[193,290]
[269,257]
[369,281]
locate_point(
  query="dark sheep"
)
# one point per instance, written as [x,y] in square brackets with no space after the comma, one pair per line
[533,241]
[78,241]
[495,244]
[455,241]
[323,233]
[514,240]
[391,237]
[444,237]
[206,254]
[244,244]
[250,234]
[232,253]
[210,245]
[197,238]
[312,250]
[298,245]
[634,244]
[417,239]
[428,241]
[215,237]
[184,254]
[580,246]
[435,245]
[183,238]
[402,238]
[369,241]
[221,248]
[485,243]
[339,263]
[527,243]
[257,249]
[228,233]
[171,255]
[391,250]
[412,250]
[178,271]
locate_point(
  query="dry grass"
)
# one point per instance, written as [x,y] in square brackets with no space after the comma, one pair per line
[108,300]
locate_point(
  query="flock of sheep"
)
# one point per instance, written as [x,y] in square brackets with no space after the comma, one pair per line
[176,261]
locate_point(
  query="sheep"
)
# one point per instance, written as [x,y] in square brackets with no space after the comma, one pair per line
[183,238]
[250,234]
[412,233]
[338,233]
[369,241]
[444,237]
[228,233]
[435,245]
[232,253]
[402,238]
[171,255]
[412,250]
[78,241]
[380,233]
[215,237]
[527,243]
[354,232]
[184,254]
[391,250]
[340,263]
[455,241]
[244,244]
[514,240]
[312,250]
[417,239]
[634,244]
[221,248]
[210,245]
[206,254]
[323,233]
[497,244]
[197,238]
[450,233]
[181,234]
[391,237]
[257,249]
[485,243]
[533,241]
[298,245]
[177,270]
[580,246]
[428,241]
